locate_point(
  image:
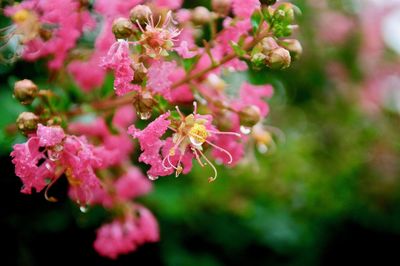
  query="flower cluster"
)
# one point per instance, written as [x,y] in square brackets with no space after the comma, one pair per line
[171,66]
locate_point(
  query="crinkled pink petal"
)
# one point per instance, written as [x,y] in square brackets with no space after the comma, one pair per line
[50,136]
[245,8]
[159,77]
[254,95]
[170,4]
[116,238]
[124,116]
[148,226]
[26,158]
[87,74]
[150,144]
[132,184]
[233,145]
[183,50]
[181,94]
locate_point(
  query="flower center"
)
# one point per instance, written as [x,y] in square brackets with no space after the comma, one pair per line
[198,134]
[20,16]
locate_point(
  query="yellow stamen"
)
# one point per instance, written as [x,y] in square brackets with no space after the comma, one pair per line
[21,16]
[198,134]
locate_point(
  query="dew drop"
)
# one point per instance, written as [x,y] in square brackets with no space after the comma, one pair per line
[245,130]
[152,178]
[196,141]
[54,156]
[83,209]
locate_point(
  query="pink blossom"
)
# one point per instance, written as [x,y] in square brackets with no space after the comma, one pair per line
[183,50]
[132,184]
[115,148]
[123,236]
[49,136]
[245,8]
[148,226]
[118,59]
[184,157]
[26,158]
[254,95]
[182,93]
[150,144]
[87,74]
[159,77]
[67,20]
[116,238]
[170,4]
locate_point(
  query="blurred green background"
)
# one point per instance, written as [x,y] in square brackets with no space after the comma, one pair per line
[329,194]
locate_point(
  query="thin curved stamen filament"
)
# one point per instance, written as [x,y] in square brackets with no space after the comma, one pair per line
[210,179]
[223,150]
[225,133]
[197,157]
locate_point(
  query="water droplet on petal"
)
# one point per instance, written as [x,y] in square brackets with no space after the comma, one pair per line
[196,141]
[152,178]
[83,209]
[245,130]
[262,148]
[54,156]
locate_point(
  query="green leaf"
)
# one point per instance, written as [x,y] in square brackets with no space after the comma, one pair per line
[256,20]
[237,49]
[189,62]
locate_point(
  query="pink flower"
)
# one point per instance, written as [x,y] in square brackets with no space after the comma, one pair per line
[150,144]
[116,238]
[159,77]
[245,8]
[254,95]
[123,236]
[115,148]
[66,20]
[184,157]
[183,50]
[170,4]
[26,159]
[148,226]
[181,94]
[87,74]
[50,136]
[118,59]
[132,184]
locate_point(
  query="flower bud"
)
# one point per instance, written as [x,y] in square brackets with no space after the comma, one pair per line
[258,59]
[140,73]
[268,2]
[144,104]
[249,116]
[221,7]
[27,122]
[294,47]
[201,15]
[284,12]
[279,58]
[268,44]
[25,91]
[122,28]
[216,82]
[140,13]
